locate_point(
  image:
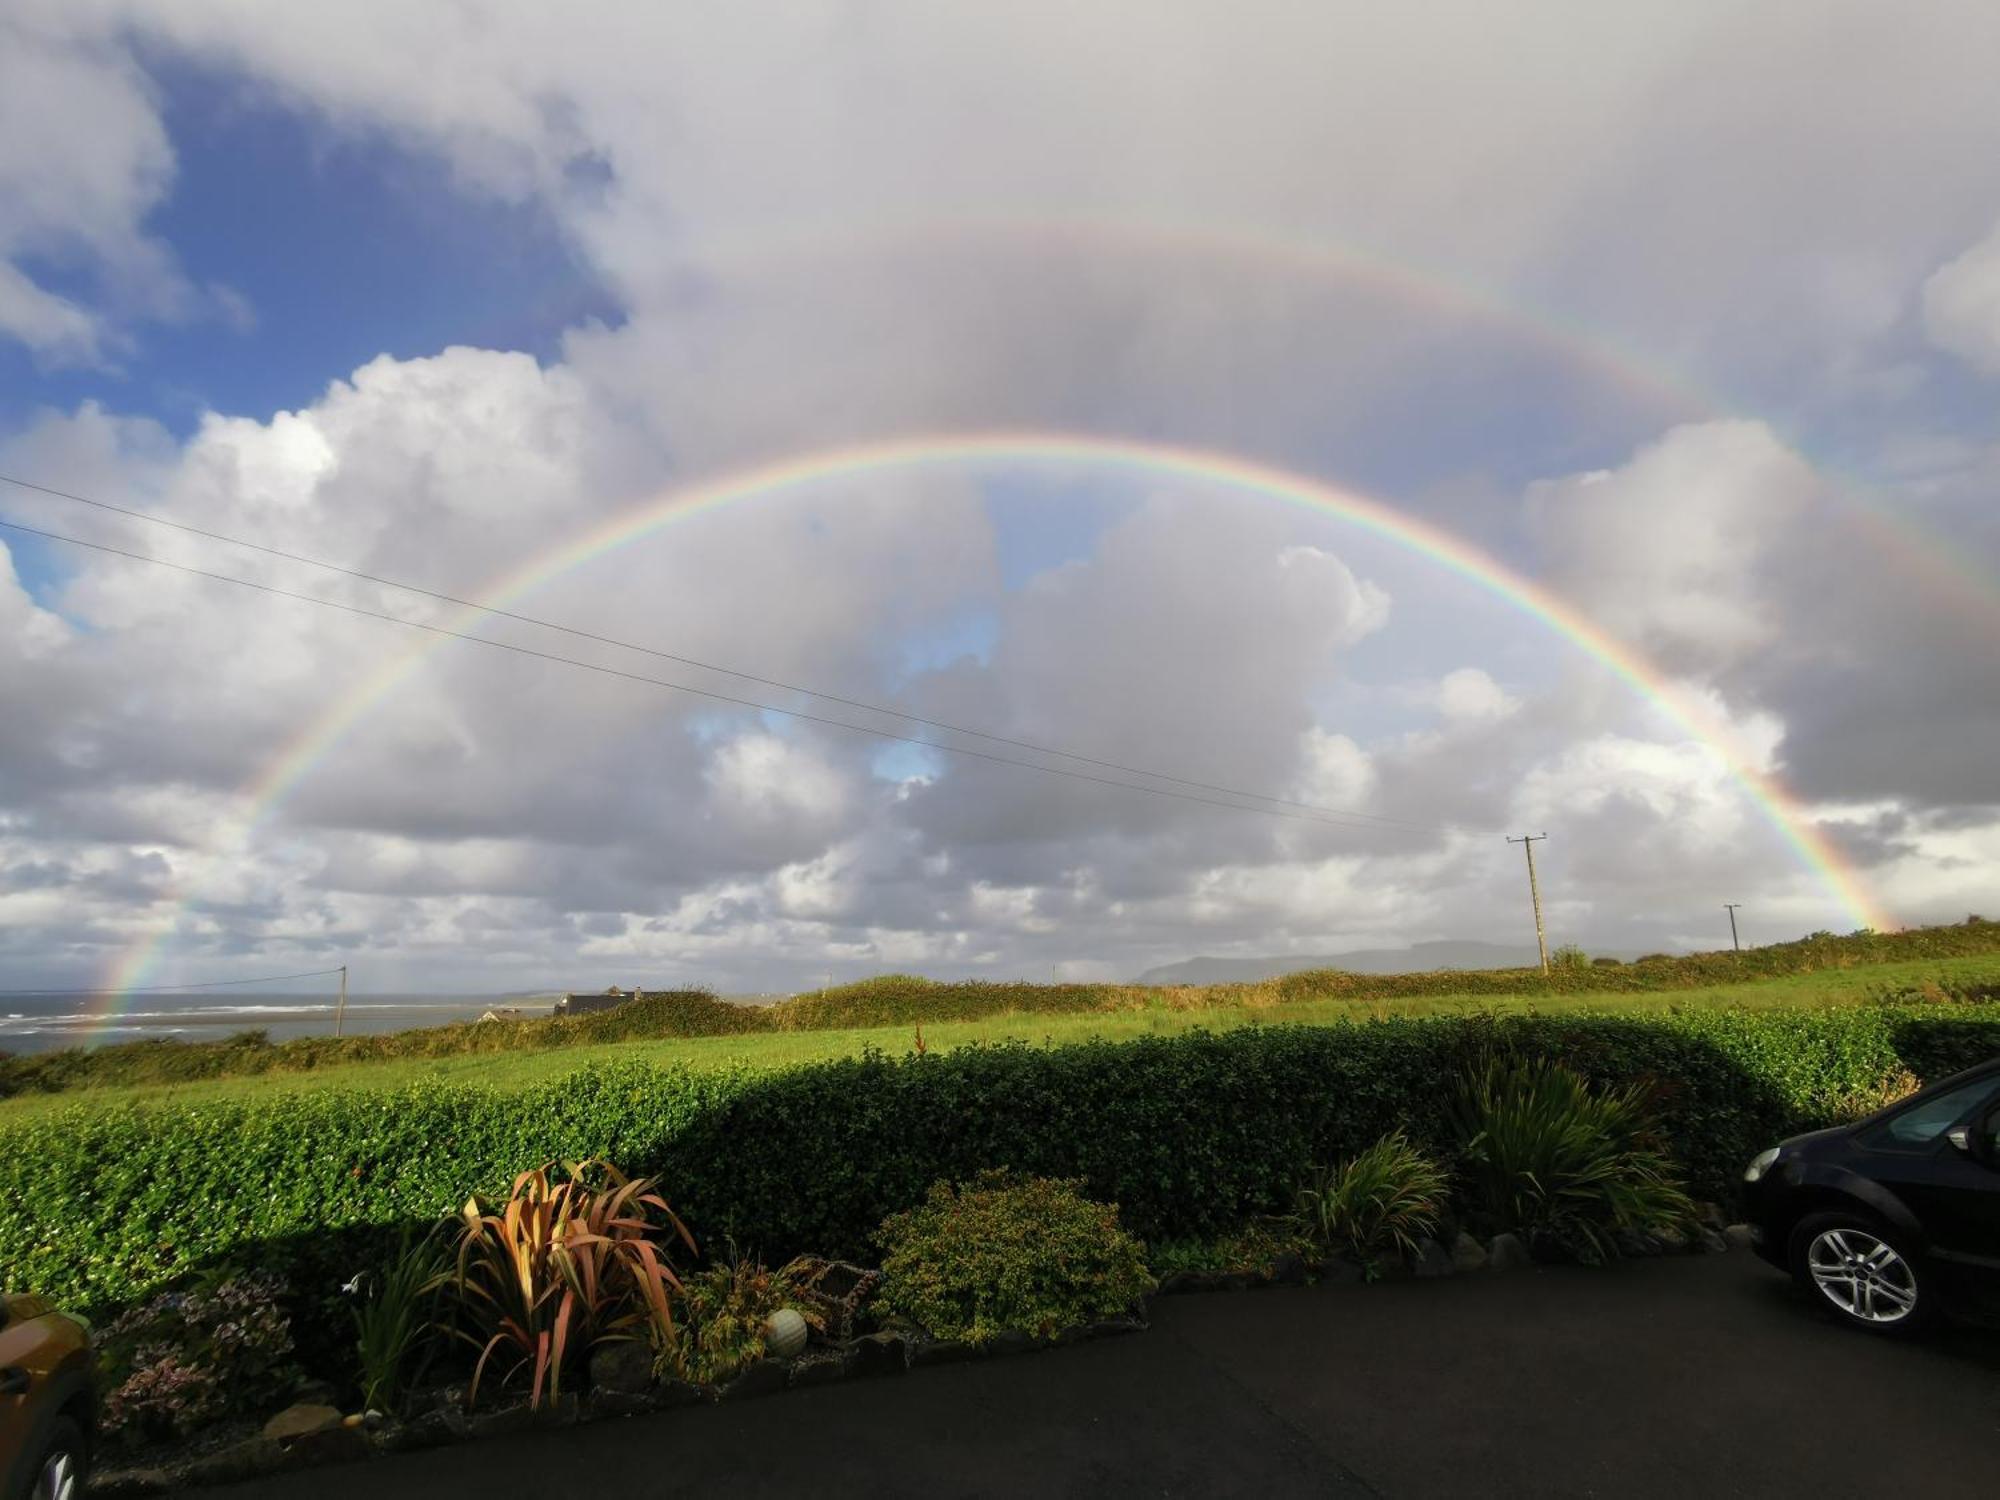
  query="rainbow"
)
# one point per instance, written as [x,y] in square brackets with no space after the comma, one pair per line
[1146,459]
[1948,572]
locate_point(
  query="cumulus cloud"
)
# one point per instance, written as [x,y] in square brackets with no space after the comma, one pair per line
[84,158]
[1962,305]
[878,222]
[1671,549]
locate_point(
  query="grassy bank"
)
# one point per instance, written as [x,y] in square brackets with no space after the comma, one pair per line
[1948,954]
[1144,1013]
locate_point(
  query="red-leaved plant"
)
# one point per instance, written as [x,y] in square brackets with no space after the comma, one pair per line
[563,1265]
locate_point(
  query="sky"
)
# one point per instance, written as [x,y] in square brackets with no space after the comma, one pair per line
[1687,316]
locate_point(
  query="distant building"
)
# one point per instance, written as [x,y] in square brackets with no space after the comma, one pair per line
[505,1013]
[584,1005]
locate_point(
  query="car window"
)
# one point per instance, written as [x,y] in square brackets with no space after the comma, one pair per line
[1925,1122]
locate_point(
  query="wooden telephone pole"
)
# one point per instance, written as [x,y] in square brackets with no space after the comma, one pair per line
[1734,941]
[340,1010]
[1527,841]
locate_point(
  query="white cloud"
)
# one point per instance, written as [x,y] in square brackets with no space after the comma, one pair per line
[849,225]
[1471,693]
[84,158]
[1962,305]
[1671,550]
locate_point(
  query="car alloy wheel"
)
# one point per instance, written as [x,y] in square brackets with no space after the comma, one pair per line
[57,1479]
[1862,1275]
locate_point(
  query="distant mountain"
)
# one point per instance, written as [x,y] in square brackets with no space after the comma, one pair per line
[1416,958]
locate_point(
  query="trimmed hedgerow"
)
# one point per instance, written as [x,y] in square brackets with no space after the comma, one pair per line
[1189,1135]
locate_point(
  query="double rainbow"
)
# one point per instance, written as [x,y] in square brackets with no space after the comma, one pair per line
[1039,448]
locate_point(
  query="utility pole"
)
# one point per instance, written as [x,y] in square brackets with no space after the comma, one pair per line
[1734,941]
[1527,841]
[340,1011]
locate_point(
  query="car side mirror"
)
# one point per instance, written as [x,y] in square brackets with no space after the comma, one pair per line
[1979,1140]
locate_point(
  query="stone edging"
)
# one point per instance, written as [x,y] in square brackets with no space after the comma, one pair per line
[890,1351]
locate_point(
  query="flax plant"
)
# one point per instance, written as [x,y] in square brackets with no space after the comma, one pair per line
[1384,1198]
[1562,1164]
[563,1265]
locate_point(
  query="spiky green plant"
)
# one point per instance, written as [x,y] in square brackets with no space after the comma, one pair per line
[394,1321]
[1384,1198]
[1548,1157]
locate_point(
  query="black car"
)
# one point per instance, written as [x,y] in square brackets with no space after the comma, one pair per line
[1887,1220]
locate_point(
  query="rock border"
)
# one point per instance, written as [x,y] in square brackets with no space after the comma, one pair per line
[1463,1255]
[291,1441]
[443,1420]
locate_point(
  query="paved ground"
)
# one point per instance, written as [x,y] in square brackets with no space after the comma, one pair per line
[1698,1377]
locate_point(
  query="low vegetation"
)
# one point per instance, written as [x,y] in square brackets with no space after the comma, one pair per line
[675,1013]
[1191,1135]
[1012,1187]
[1936,964]
[1380,1201]
[725,1309]
[1009,1253]
[561,1266]
[186,1359]
[396,1308]
[1569,1168]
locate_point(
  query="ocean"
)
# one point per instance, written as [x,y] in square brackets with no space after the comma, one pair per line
[48,1024]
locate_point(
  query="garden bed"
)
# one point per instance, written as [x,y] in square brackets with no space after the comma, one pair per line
[439,1417]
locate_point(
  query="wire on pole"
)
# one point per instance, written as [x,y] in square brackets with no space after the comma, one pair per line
[590,635]
[1327,817]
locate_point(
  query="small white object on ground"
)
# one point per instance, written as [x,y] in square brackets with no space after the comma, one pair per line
[784,1333]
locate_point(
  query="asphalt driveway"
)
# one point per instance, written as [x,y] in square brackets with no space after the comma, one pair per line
[1703,1376]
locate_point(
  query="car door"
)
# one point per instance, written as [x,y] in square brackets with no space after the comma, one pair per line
[19,1345]
[1953,1191]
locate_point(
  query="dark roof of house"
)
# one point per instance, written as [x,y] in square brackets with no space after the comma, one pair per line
[576,1003]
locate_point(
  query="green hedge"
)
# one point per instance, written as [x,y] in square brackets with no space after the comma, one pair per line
[1187,1134]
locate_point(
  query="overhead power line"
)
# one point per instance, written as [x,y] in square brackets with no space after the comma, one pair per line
[1331,818]
[707,666]
[156,989]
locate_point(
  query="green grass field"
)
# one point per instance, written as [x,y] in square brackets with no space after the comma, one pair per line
[1169,1012]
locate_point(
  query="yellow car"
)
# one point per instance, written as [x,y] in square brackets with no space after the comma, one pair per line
[48,1406]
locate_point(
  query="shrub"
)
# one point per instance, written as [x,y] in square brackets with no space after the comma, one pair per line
[1565,1165]
[394,1322]
[1253,1247]
[1382,1199]
[905,999]
[1570,958]
[563,1265]
[1007,1252]
[724,1311]
[1606,961]
[187,1359]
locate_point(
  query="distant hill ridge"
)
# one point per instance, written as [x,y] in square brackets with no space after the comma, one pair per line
[1447,953]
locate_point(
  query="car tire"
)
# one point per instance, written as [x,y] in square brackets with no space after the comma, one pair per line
[60,1465]
[1863,1273]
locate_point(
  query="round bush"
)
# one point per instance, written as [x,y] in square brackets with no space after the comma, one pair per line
[1006,1253]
